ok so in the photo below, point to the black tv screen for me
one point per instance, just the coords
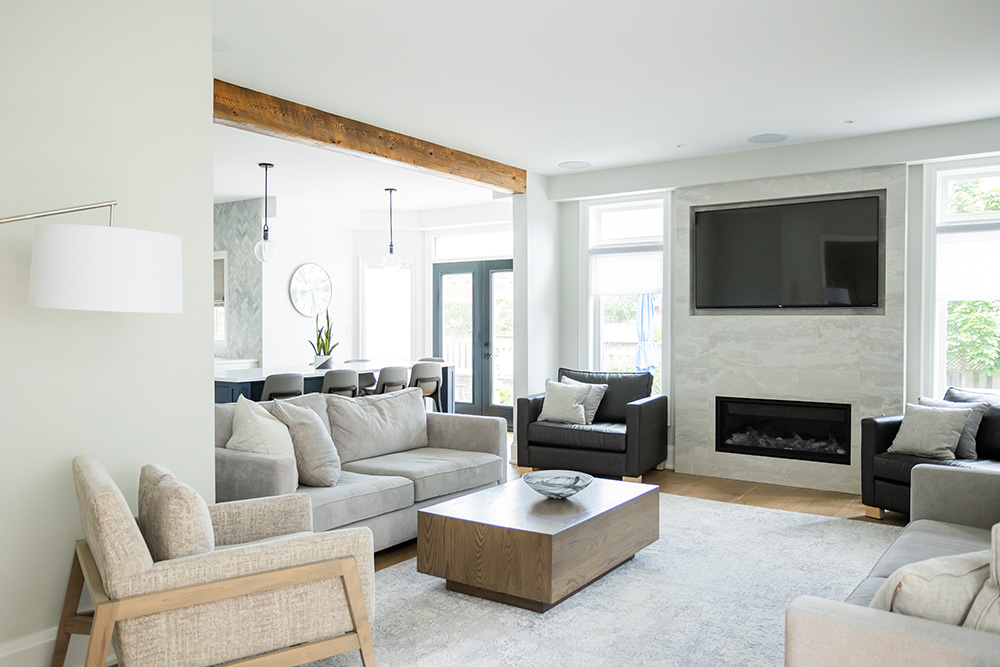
(816, 253)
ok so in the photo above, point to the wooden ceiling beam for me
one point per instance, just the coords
(250, 110)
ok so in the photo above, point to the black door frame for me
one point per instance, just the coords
(482, 300)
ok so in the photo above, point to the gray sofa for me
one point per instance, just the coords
(378, 488)
(952, 511)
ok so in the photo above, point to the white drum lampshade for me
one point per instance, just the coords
(87, 267)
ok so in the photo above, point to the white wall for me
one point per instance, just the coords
(286, 332)
(102, 101)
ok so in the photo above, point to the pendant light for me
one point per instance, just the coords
(391, 261)
(265, 250)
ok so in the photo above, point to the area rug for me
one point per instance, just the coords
(711, 591)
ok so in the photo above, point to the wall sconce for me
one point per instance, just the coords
(112, 269)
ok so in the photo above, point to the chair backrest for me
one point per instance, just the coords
(427, 376)
(282, 385)
(108, 524)
(623, 388)
(391, 378)
(343, 382)
(437, 359)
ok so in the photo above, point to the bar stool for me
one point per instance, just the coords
(427, 376)
(282, 385)
(390, 378)
(366, 379)
(341, 382)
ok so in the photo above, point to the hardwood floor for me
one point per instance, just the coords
(773, 496)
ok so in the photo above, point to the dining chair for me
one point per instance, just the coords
(390, 378)
(343, 382)
(282, 385)
(366, 379)
(437, 359)
(427, 376)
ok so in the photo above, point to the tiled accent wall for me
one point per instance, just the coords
(795, 355)
(237, 230)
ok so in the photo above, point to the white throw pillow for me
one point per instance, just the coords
(173, 517)
(563, 403)
(967, 441)
(375, 425)
(593, 401)
(257, 430)
(930, 432)
(985, 611)
(938, 589)
(315, 454)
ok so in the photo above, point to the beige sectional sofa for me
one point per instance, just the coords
(394, 461)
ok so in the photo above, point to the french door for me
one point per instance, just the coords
(474, 329)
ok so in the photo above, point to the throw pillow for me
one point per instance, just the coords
(967, 441)
(593, 401)
(563, 403)
(938, 589)
(257, 430)
(985, 611)
(375, 425)
(315, 454)
(173, 517)
(930, 432)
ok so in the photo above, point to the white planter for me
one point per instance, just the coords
(323, 361)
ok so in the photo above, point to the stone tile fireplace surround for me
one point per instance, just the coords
(798, 355)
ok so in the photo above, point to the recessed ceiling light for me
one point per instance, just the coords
(681, 145)
(574, 164)
(221, 44)
(768, 138)
(848, 122)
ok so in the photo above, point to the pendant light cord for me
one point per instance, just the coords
(266, 166)
(390, 191)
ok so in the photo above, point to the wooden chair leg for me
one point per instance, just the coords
(100, 635)
(74, 589)
(359, 616)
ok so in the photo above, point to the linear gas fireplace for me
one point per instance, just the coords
(787, 429)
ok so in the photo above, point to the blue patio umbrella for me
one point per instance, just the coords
(645, 351)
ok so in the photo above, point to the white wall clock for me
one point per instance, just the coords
(310, 290)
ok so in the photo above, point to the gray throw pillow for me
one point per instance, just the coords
(563, 403)
(930, 432)
(593, 401)
(173, 517)
(967, 441)
(315, 454)
(370, 426)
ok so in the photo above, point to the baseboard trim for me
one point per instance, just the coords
(36, 650)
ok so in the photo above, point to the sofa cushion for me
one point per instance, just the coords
(173, 517)
(434, 471)
(923, 539)
(594, 397)
(865, 592)
(967, 441)
(563, 403)
(897, 467)
(256, 430)
(623, 388)
(314, 401)
(938, 589)
(985, 611)
(374, 425)
(316, 456)
(930, 432)
(223, 423)
(357, 497)
(988, 436)
(598, 436)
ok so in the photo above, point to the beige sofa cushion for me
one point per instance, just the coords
(985, 611)
(256, 430)
(356, 498)
(173, 517)
(435, 472)
(316, 456)
(375, 425)
(938, 589)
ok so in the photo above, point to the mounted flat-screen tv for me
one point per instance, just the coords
(816, 252)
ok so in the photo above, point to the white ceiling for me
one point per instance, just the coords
(537, 82)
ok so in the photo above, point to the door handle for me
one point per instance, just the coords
(486, 355)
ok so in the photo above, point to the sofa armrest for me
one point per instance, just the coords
(645, 434)
(470, 433)
(242, 475)
(243, 521)
(528, 410)
(966, 496)
(825, 633)
(877, 434)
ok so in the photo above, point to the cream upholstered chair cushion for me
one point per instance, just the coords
(173, 517)
(316, 455)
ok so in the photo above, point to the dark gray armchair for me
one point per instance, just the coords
(627, 439)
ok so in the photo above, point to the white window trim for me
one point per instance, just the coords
(362, 302)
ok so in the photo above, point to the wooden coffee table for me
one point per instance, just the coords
(513, 545)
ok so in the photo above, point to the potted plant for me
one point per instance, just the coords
(323, 347)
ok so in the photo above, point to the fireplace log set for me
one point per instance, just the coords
(796, 443)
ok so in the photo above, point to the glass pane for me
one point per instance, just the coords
(456, 325)
(974, 195)
(474, 246)
(387, 313)
(627, 345)
(972, 358)
(502, 338)
(628, 224)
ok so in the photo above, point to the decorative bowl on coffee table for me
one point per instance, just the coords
(557, 484)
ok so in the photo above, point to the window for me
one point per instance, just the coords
(476, 245)
(219, 310)
(626, 285)
(385, 310)
(967, 278)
